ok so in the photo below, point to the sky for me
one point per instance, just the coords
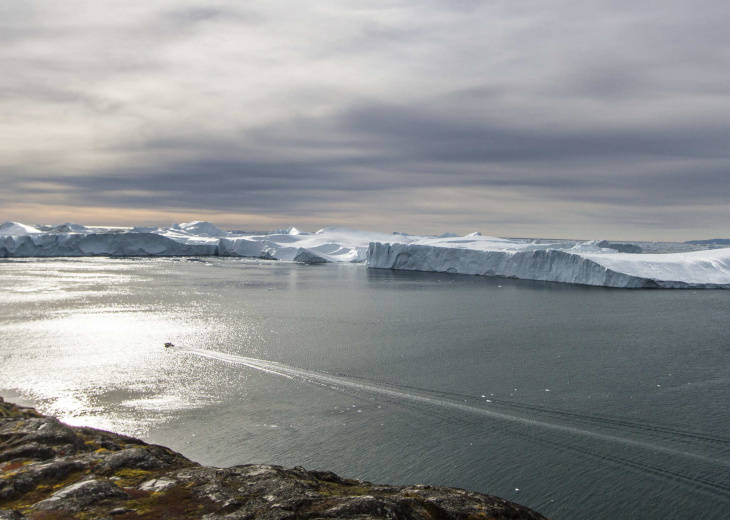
(555, 119)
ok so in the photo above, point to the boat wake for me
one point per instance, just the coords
(650, 449)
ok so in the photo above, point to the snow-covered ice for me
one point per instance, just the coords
(584, 263)
(199, 228)
(18, 229)
(326, 245)
(101, 244)
(69, 227)
(581, 262)
(18, 240)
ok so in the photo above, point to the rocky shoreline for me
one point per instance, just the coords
(49, 470)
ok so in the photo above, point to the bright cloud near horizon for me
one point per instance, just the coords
(565, 119)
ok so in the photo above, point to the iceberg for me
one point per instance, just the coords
(102, 244)
(19, 240)
(199, 228)
(713, 242)
(621, 248)
(584, 263)
(326, 245)
(70, 227)
(17, 229)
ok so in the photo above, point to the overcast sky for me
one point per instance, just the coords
(575, 119)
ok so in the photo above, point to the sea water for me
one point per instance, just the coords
(580, 402)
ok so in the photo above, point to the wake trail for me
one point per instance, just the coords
(612, 422)
(344, 382)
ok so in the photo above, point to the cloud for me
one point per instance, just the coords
(594, 110)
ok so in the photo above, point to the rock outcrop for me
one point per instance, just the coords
(49, 470)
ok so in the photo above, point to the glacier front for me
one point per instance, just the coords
(583, 263)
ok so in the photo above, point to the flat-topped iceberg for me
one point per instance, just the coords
(102, 244)
(19, 240)
(584, 263)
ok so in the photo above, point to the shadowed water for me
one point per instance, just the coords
(576, 401)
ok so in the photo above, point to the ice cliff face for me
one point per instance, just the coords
(101, 244)
(188, 239)
(585, 264)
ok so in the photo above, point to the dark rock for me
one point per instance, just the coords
(108, 440)
(81, 494)
(10, 410)
(7, 514)
(29, 476)
(382, 507)
(132, 458)
(327, 476)
(46, 431)
(31, 450)
(121, 511)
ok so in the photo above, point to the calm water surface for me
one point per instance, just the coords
(579, 402)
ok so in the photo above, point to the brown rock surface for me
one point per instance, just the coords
(49, 470)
